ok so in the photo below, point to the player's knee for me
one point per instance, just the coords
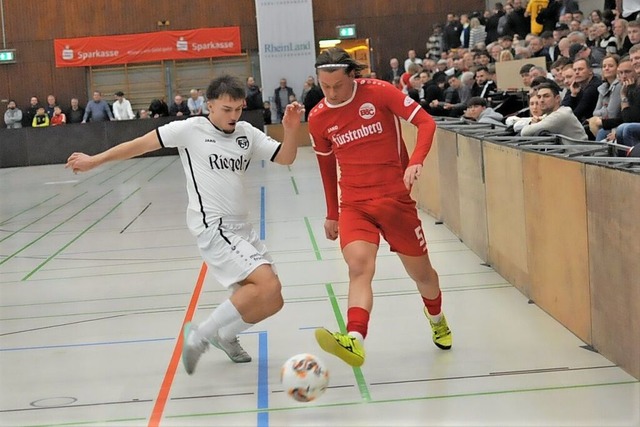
(360, 265)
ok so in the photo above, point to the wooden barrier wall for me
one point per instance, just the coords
(563, 232)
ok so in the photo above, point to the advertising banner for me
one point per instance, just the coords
(147, 47)
(286, 44)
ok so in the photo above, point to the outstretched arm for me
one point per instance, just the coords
(293, 115)
(80, 162)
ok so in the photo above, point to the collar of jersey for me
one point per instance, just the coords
(353, 95)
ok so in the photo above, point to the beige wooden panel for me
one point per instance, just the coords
(429, 181)
(473, 206)
(409, 133)
(558, 254)
(448, 168)
(613, 204)
(505, 214)
(276, 132)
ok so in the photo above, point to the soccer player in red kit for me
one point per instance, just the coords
(357, 126)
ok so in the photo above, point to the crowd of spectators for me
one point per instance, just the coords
(586, 89)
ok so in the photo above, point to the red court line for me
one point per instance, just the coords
(163, 394)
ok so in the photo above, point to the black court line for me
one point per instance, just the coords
(134, 219)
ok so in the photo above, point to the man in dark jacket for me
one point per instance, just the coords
(583, 90)
(253, 99)
(451, 37)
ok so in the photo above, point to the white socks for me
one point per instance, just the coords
(225, 320)
(357, 335)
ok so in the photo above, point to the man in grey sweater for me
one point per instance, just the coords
(555, 119)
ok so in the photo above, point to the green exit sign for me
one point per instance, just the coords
(346, 31)
(7, 56)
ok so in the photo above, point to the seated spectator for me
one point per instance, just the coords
(30, 112)
(196, 103)
(59, 118)
(524, 74)
(583, 90)
(75, 113)
(179, 107)
(520, 122)
(555, 119)
(593, 57)
(478, 110)
(484, 86)
(453, 103)
(41, 119)
(13, 116)
(608, 106)
(434, 99)
(97, 109)
(122, 107)
(143, 114)
(158, 108)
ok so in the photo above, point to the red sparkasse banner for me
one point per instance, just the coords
(147, 47)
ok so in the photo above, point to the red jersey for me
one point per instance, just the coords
(364, 135)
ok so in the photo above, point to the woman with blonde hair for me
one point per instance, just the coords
(505, 55)
(477, 33)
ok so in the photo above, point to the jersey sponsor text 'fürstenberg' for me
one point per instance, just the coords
(356, 134)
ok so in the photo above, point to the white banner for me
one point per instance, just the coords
(286, 44)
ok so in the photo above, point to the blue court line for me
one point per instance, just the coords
(89, 344)
(263, 232)
(263, 380)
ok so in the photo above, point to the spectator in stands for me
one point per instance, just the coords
(97, 109)
(122, 107)
(533, 9)
(281, 96)
(75, 113)
(58, 118)
(606, 41)
(536, 47)
(477, 33)
(434, 98)
(555, 119)
(13, 116)
(517, 123)
(505, 55)
(253, 99)
(583, 90)
(524, 74)
(196, 102)
(412, 58)
(451, 34)
(179, 107)
(41, 119)
(51, 104)
(517, 23)
(143, 114)
(309, 83)
(608, 106)
(478, 110)
(484, 86)
(314, 96)
(465, 31)
(394, 71)
(593, 57)
(434, 43)
(266, 112)
(158, 108)
(30, 112)
(623, 43)
(453, 103)
(491, 26)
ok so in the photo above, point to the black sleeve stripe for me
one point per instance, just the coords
(276, 152)
(195, 186)
(159, 137)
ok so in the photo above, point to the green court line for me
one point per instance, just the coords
(43, 263)
(43, 216)
(362, 384)
(54, 228)
(295, 186)
(356, 403)
(28, 209)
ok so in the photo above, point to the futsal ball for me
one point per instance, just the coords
(304, 377)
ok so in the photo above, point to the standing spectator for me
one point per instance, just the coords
(434, 43)
(628, 9)
(51, 104)
(253, 100)
(532, 11)
(477, 33)
(394, 71)
(75, 113)
(58, 118)
(376, 177)
(179, 108)
(308, 84)
(314, 96)
(517, 23)
(122, 107)
(266, 112)
(195, 103)
(451, 34)
(41, 119)
(30, 112)
(281, 96)
(13, 116)
(492, 23)
(97, 109)
(465, 31)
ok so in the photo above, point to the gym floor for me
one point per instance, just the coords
(99, 273)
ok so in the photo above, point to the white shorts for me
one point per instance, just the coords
(233, 250)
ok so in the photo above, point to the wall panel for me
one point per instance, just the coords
(449, 195)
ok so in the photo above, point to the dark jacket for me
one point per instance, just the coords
(631, 114)
(314, 96)
(451, 36)
(254, 98)
(586, 101)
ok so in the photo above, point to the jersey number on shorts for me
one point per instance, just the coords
(421, 240)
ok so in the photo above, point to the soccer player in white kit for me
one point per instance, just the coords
(216, 151)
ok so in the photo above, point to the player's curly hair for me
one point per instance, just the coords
(226, 85)
(336, 58)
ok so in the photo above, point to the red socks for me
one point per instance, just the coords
(434, 306)
(358, 320)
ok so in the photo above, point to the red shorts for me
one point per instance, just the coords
(396, 219)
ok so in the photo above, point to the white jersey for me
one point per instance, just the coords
(214, 165)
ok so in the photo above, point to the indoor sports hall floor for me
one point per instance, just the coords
(99, 273)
